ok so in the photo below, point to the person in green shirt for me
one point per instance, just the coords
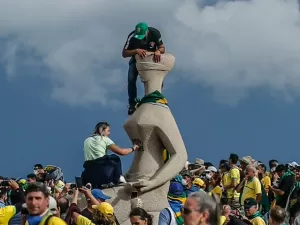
(96, 158)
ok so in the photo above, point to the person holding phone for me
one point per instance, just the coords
(108, 167)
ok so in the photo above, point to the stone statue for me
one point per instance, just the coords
(154, 128)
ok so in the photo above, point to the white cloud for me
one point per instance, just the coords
(231, 47)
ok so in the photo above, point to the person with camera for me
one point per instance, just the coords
(3, 197)
(282, 185)
(7, 212)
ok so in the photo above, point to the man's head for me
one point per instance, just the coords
(141, 31)
(262, 168)
(225, 167)
(233, 159)
(250, 206)
(38, 168)
(245, 161)
(280, 170)
(187, 178)
(210, 172)
(250, 171)
(103, 212)
(31, 178)
(37, 198)
(222, 161)
(63, 204)
(277, 216)
(273, 163)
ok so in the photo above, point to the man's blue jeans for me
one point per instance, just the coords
(132, 77)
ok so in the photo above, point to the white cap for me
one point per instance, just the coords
(293, 164)
(52, 203)
(211, 168)
(187, 164)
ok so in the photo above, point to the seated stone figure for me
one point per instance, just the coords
(152, 127)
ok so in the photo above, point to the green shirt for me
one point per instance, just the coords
(96, 147)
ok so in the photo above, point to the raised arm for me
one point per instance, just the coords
(128, 49)
(122, 151)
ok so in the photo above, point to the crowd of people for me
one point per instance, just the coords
(237, 191)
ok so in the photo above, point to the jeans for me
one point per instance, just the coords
(104, 170)
(132, 77)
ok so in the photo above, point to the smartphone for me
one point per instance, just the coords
(78, 181)
(134, 194)
(72, 186)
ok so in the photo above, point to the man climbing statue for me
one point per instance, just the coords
(140, 41)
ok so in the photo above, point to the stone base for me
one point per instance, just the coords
(153, 201)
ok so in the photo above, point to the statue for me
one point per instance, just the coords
(154, 128)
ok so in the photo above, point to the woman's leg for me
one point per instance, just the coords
(116, 161)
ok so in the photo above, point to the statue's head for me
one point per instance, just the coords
(150, 70)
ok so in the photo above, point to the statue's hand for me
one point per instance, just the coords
(144, 185)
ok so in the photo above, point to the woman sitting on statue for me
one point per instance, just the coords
(103, 170)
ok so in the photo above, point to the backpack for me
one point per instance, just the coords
(54, 173)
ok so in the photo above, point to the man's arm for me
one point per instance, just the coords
(128, 50)
(284, 186)
(159, 42)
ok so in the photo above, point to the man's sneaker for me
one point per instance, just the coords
(131, 109)
(122, 180)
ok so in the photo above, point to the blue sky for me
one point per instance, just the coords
(235, 86)
(37, 129)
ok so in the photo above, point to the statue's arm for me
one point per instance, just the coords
(172, 141)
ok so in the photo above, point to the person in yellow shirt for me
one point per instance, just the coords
(264, 178)
(103, 214)
(9, 211)
(216, 184)
(37, 204)
(252, 212)
(234, 175)
(225, 181)
(251, 185)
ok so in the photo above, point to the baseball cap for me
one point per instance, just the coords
(199, 182)
(176, 188)
(52, 204)
(249, 202)
(293, 164)
(140, 30)
(98, 194)
(186, 174)
(104, 208)
(211, 168)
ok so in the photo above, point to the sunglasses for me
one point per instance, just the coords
(187, 211)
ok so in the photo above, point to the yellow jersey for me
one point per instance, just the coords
(52, 221)
(6, 213)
